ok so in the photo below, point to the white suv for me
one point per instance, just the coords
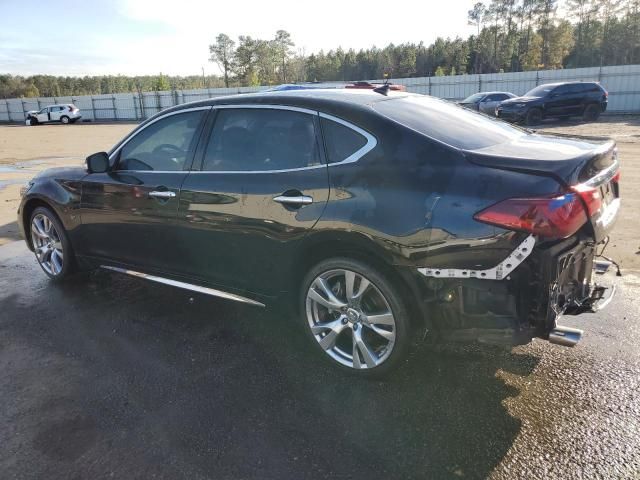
(68, 113)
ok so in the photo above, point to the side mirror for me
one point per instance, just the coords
(98, 162)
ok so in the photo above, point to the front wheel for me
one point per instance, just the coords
(51, 244)
(356, 317)
(534, 116)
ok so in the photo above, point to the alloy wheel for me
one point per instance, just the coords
(47, 244)
(350, 319)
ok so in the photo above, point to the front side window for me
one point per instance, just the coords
(541, 91)
(340, 141)
(261, 139)
(44, 110)
(164, 145)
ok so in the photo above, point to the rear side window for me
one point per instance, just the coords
(580, 87)
(340, 141)
(261, 139)
(447, 122)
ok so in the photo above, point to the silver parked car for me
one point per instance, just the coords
(67, 113)
(485, 102)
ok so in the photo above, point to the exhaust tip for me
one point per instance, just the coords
(565, 336)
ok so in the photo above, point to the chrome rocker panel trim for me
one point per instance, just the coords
(500, 271)
(187, 286)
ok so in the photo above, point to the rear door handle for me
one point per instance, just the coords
(162, 194)
(294, 201)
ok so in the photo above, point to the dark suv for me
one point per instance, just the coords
(556, 100)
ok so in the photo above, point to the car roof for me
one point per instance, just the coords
(557, 84)
(330, 98)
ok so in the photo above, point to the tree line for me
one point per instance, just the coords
(56, 86)
(510, 36)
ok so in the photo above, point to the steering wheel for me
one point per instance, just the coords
(168, 148)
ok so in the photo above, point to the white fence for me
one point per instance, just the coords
(622, 83)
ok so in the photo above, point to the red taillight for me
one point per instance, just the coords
(555, 217)
(616, 177)
(590, 196)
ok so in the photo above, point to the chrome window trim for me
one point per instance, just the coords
(266, 106)
(372, 141)
(135, 134)
(186, 286)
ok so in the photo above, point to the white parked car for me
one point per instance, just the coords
(67, 113)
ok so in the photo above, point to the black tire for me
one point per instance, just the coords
(68, 264)
(64, 119)
(534, 117)
(400, 313)
(591, 112)
(34, 121)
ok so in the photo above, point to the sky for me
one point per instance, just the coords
(146, 37)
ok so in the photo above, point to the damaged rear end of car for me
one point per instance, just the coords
(516, 223)
(550, 273)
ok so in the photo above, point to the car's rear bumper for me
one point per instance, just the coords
(555, 279)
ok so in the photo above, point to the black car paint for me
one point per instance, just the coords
(556, 103)
(408, 203)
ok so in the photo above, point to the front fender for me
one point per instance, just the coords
(62, 195)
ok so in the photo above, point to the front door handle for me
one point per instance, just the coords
(162, 194)
(294, 201)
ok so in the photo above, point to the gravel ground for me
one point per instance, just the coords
(108, 376)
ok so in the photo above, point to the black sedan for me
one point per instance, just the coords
(379, 216)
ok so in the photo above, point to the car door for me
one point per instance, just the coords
(262, 185)
(55, 113)
(43, 115)
(490, 102)
(128, 213)
(558, 101)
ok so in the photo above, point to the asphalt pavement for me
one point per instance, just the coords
(108, 376)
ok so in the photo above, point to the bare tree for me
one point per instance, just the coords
(223, 53)
(283, 45)
(475, 17)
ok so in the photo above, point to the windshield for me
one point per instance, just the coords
(447, 122)
(541, 91)
(476, 97)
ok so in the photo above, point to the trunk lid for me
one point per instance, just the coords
(588, 169)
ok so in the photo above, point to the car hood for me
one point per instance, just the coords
(32, 111)
(62, 173)
(519, 100)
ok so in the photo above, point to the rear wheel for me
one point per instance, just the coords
(534, 116)
(64, 119)
(51, 244)
(355, 317)
(591, 113)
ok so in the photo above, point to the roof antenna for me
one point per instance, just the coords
(385, 87)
